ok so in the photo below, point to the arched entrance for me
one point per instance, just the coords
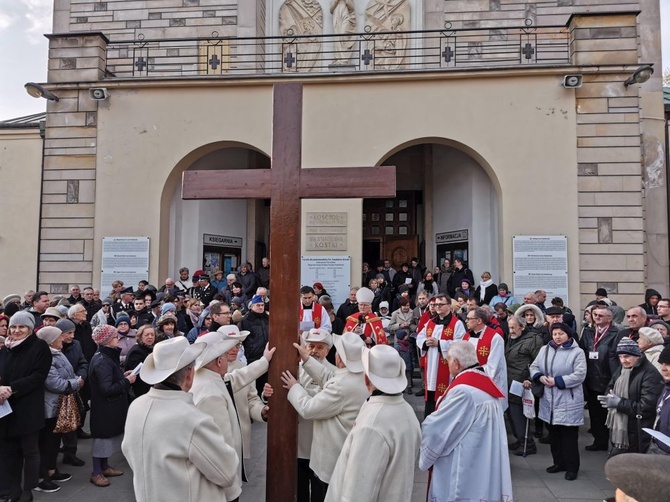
(447, 206)
(213, 234)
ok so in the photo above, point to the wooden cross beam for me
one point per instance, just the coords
(285, 184)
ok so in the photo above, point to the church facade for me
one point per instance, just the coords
(503, 119)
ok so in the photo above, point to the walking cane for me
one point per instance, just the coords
(525, 438)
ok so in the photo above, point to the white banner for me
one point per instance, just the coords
(124, 259)
(334, 272)
(541, 262)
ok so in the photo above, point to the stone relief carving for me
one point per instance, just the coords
(390, 51)
(344, 23)
(301, 17)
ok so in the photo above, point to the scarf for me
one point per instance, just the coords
(482, 288)
(617, 422)
(12, 344)
(54, 351)
(194, 317)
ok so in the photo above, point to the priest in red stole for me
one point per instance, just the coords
(464, 442)
(365, 322)
(312, 314)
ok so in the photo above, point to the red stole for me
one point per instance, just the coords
(474, 379)
(443, 376)
(484, 343)
(317, 314)
(372, 327)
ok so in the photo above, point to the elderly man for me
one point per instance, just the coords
(126, 303)
(378, 457)
(312, 314)
(213, 390)
(333, 410)
(631, 399)
(636, 318)
(366, 323)
(433, 341)
(599, 343)
(195, 463)
(464, 441)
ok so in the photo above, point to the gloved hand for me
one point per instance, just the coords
(609, 401)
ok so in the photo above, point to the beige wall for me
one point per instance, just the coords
(349, 124)
(20, 183)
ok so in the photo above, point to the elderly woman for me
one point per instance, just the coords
(663, 328)
(109, 402)
(127, 335)
(61, 380)
(486, 290)
(651, 345)
(167, 327)
(146, 336)
(521, 350)
(561, 367)
(24, 365)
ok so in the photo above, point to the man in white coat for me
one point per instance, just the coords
(378, 457)
(464, 441)
(213, 391)
(195, 464)
(333, 410)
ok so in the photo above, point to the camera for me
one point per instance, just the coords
(99, 93)
(572, 81)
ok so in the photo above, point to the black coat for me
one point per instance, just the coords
(456, 279)
(74, 353)
(83, 332)
(25, 369)
(644, 389)
(599, 372)
(109, 393)
(258, 326)
(346, 309)
(136, 355)
(489, 293)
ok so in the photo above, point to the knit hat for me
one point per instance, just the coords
(22, 318)
(10, 299)
(108, 301)
(65, 325)
(318, 285)
(504, 286)
(122, 318)
(465, 279)
(565, 328)
(664, 356)
(104, 333)
(654, 336)
(168, 307)
(628, 346)
(601, 292)
(656, 322)
(49, 334)
(257, 299)
(237, 301)
(62, 309)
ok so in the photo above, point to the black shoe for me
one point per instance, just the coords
(570, 475)
(47, 487)
(537, 434)
(596, 447)
(515, 445)
(83, 435)
(544, 440)
(531, 449)
(60, 477)
(419, 392)
(554, 469)
(73, 460)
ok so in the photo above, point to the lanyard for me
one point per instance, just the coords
(597, 338)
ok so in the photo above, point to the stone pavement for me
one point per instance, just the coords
(531, 482)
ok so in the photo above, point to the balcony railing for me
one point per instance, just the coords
(445, 49)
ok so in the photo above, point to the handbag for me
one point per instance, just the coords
(537, 388)
(68, 416)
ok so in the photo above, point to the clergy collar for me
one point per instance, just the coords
(378, 392)
(305, 307)
(443, 321)
(477, 334)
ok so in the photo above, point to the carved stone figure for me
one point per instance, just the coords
(301, 17)
(390, 51)
(344, 23)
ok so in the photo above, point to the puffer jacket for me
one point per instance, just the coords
(599, 371)
(519, 354)
(258, 326)
(60, 380)
(644, 389)
(538, 326)
(562, 404)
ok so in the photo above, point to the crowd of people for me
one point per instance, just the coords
(197, 348)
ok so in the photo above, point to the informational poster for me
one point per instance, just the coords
(124, 259)
(541, 262)
(334, 272)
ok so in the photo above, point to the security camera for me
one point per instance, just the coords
(572, 81)
(99, 93)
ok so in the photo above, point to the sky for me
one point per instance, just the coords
(24, 52)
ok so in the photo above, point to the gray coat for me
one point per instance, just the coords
(562, 404)
(61, 380)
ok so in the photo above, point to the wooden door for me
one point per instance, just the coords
(400, 249)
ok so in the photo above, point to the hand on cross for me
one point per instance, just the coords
(269, 352)
(267, 391)
(288, 380)
(304, 354)
(264, 413)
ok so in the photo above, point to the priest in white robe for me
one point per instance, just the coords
(464, 443)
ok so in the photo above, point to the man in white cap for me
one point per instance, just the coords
(333, 410)
(378, 457)
(464, 441)
(213, 391)
(176, 451)
(366, 323)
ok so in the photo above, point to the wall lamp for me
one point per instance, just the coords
(37, 91)
(641, 75)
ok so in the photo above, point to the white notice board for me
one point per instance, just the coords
(541, 262)
(334, 272)
(125, 259)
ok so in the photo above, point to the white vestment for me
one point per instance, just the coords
(433, 353)
(465, 443)
(496, 365)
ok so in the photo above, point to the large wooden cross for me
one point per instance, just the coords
(285, 184)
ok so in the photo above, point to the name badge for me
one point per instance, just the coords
(593, 354)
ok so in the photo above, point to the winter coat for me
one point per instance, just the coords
(25, 369)
(431, 288)
(646, 305)
(83, 333)
(127, 342)
(258, 326)
(263, 274)
(75, 355)
(109, 393)
(137, 354)
(61, 380)
(400, 278)
(507, 300)
(489, 293)
(346, 309)
(399, 317)
(519, 354)
(562, 404)
(599, 371)
(663, 416)
(249, 283)
(644, 389)
(652, 354)
(457, 278)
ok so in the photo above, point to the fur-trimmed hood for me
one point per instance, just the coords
(539, 316)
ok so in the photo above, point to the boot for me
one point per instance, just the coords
(409, 389)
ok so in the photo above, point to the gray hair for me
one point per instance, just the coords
(520, 320)
(463, 352)
(74, 309)
(640, 311)
(178, 377)
(482, 313)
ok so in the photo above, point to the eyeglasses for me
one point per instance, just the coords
(440, 304)
(226, 313)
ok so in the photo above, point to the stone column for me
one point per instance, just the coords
(68, 178)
